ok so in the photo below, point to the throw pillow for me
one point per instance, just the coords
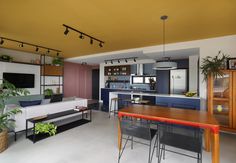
(29, 103)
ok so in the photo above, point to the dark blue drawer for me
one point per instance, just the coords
(184, 103)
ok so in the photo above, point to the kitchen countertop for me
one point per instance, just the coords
(154, 94)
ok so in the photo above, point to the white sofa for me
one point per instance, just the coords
(40, 110)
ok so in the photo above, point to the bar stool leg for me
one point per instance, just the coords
(114, 109)
(110, 108)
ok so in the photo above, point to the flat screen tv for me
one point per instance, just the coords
(20, 80)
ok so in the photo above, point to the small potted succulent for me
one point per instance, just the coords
(6, 122)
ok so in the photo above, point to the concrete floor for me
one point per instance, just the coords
(96, 142)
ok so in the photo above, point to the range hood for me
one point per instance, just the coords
(139, 69)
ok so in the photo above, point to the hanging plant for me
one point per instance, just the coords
(214, 65)
(57, 61)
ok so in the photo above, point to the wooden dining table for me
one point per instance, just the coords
(193, 118)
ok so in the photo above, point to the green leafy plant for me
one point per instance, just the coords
(214, 65)
(7, 90)
(48, 92)
(6, 58)
(45, 128)
(57, 61)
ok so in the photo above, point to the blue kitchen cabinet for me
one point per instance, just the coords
(121, 102)
(148, 69)
(105, 99)
(184, 103)
(151, 99)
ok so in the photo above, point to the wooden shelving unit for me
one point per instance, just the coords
(51, 77)
(123, 70)
(222, 99)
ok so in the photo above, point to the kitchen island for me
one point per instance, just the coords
(167, 100)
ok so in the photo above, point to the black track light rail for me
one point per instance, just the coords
(26, 43)
(119, 60)
(91, 37)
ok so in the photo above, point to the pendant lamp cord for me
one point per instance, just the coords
(164, 39)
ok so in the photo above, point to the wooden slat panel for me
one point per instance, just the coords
(52, 70)
(234, 101)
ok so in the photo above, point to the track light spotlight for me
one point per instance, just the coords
(81, 36)
(118, 61)
(100, 44)
(105, 62)
(111, 62)
(21, 45)
(2, 41)
(134, 60)
(57, 54)
(48, 51)
(66, 31)
(37, 49)
(126, 60)
(91, 41)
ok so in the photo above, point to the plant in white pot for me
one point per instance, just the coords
(6, 122)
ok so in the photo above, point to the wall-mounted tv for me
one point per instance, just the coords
(20, 80)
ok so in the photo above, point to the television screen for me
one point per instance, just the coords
(20, 80)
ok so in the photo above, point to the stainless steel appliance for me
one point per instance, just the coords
(178, 81)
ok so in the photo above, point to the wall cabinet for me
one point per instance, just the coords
(117, 70)
(222, 99)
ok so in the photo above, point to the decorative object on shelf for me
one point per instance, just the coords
(231, 63)
(214, 65)
(48, 92)
(6, 90)
(118, 60)
(82, 35)
(219, 108)
(6, 58)
(152, 83)
(57, 61)
(166, 64)
(45, 128)
(190, 94)
(37, 47)
(117, 70)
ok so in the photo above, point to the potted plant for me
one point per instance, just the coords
(7, 90)
(48, 93)
(6, 58)
(152, 83)
(45, 128)
(57, 61)
(214, 65)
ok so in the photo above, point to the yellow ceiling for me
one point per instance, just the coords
(122, 24)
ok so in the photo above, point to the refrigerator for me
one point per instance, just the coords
(178, 81)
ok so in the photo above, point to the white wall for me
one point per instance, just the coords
(193, 72)
(23, 68)
(208, 47)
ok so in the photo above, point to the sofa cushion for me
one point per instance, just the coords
(16, 99)
(29, 103)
